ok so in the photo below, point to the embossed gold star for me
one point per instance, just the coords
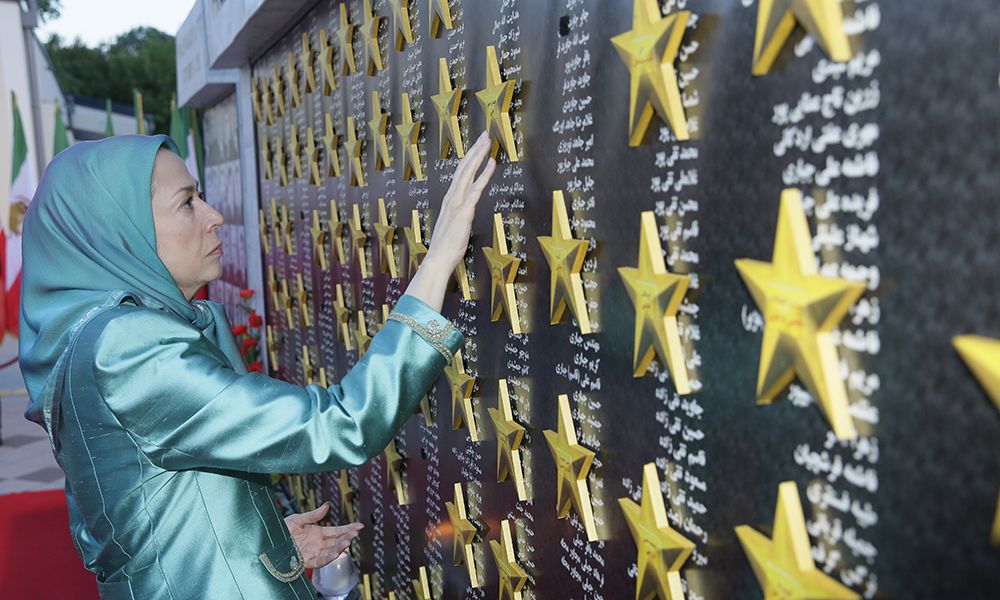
(461, 384)
(265, 97)
(409, 135)
(318, 241)
(265, 239)
(369, 31)
(447, 103)
(345, 36)
(288, 227)
(982, 355)
(307, 367)
(352, 150)
(361, 338)
(424, 408)
(401, 23)
(384, 234)
(295, 151)
(464, 533)
(302, 294)
(565, 256)
(279, 158)
(342, 316)
(385, 315)
(272, 349)
(366, 581)
(416, 250)
(503, 270)
(573, 462)
(322, 377)
(258, 114)
(662, 550)
(439, 14)
(287, 303)
(649, 50)
(801, 308)
(326, 63)
(332, 153)
(312, 157)
(278, 91)
(378, 125)
(509, 435)
(265, 157)
(512, 577)
(306, 59)
(784, 564)
(293, 80)
(336, 234)
(272, 287)
(656, 295)
(421, 587)
(823, 19)
(495, 99)
(276, 223)
(394, 472)
(347, 495)
(358, 240)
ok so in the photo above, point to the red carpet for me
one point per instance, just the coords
(37, 558)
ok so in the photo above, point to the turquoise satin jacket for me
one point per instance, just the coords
(167, 449)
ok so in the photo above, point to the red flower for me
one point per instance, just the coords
(247, 344)
(256, 367)
(255, 320)
(239, 330)
(243, 351)
(246, 294)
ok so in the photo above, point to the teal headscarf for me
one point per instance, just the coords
(88, 242)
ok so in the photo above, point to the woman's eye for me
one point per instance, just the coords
(188, 203)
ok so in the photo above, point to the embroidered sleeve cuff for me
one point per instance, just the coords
(435, 329)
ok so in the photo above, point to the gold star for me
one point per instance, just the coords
(649, 50)
(336, 234)
(421, 587)
(352, 148)
(495, 99)
(503, 270)
(662, 551)
(255, 100)
(275, 223)
(464, 533)
(801, 309)
(565, 256)
(378, 124)
(279, 157)
(294, 151)
(326, 63)
(322, 381)
(293, 80)
(394, 471)
(385, 314)
(265, 157)
(373, 56)
(265, 239)
(278, 91)
(512, 576)
(344, 41)
(303, 297)
(342, 315)
(307, 366)
(272, 349)
(416, 250)
(272, 286)
(358, 239)
(439, 14)
(384, 234)
(409, 135)
(361, 337)
(823, 19)
(265, 96)
(306, 58)
(784, 564)
(318, 241)
(312, 156)
(446, 103)
(656, 295)
(401, 22)
(461, 385)
(332, 154)
(509, 434)
(573, 462)
(288, 225)
(347, 495)
(287, 301)
(424, 408)
(366, 581)
(982, 355)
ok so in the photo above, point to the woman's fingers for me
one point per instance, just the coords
(352, 530)
(484, 178)
(465, 164)
(474, 158)
(313, 516)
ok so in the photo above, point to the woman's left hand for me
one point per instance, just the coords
(320, 545)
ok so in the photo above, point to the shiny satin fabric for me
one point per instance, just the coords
(167, 450)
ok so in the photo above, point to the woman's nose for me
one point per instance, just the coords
(215, 218)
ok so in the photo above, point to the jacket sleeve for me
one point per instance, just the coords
(185, 407)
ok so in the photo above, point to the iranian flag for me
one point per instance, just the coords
(22, 188)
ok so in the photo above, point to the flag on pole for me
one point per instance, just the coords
(22, 188)
(195, 151)
(60, 140)
(140, 121)
(109, 127)
(184, 131)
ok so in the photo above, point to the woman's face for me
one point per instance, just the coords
(187, 238)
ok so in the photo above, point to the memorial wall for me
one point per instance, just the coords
(710, 303)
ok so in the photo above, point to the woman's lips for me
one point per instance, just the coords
(217, 251)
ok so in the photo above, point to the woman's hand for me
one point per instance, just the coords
(320, 545)
(454, 225)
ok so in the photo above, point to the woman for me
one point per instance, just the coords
(165, 439)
